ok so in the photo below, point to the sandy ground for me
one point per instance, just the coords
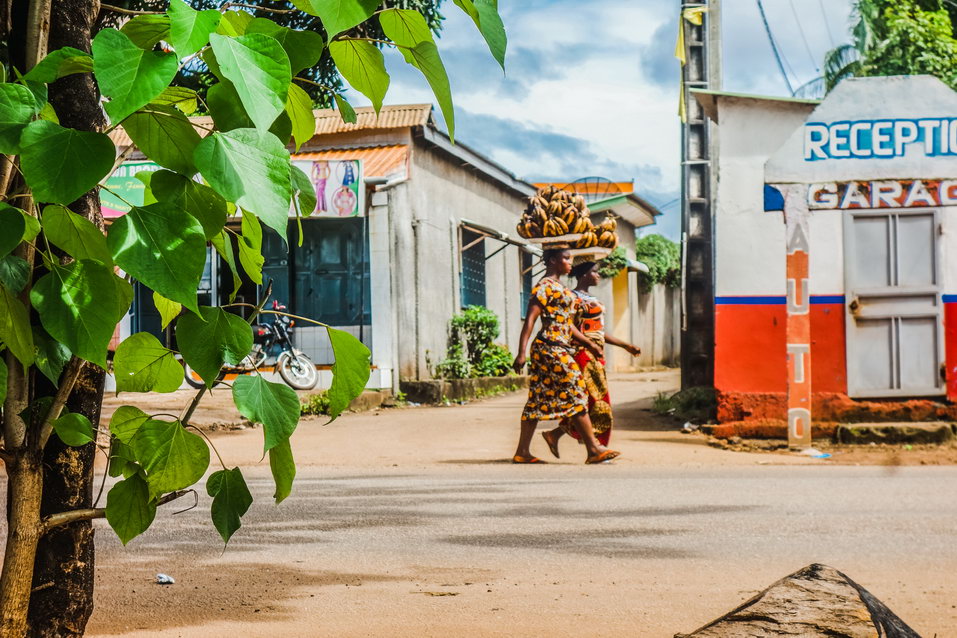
(411, 522)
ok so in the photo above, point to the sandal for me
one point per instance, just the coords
(526, 460)
(607, 455)
(552, 444)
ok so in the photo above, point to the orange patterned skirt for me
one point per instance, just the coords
(556, 388)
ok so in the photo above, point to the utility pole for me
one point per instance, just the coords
(702, 70)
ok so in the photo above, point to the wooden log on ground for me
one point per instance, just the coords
(815, 601)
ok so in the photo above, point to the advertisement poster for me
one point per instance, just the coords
(339, 186)
(125, 189)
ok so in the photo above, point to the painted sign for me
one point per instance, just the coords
(123, 189)
(339, 186)
(881, 139)
(906, 193)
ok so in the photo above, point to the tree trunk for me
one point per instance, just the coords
(24, 487)
(62, 599)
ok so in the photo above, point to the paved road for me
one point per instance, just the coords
(447, 540)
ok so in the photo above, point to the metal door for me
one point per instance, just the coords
(894, 344)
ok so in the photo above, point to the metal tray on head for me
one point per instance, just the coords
(598, 252)
(558, 239)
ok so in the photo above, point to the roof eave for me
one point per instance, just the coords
(708, 99)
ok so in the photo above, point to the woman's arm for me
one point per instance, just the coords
(587, 343)
(631, 348)
(531, 315)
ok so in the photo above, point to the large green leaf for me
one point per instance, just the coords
(143, 364)
(186, 100)
(231, 499)
(173, 457)
(199, 200)
(228, 113)
(147, 30)
(129, 509)
(127, 74)
(303, 47)
(162, 246)
(189, 29)
(350, 372)
(299, 109)
(14, 273)
(124, 297)
(17, 108)
(259, 69)
(224, 246)
(78, 304)
(74, 429)
(363, 67)
(425, 57)
(165, 136)
(123, 461)
(60, 63)
(275, 405)
(12, 228)
(283, 469)
(51, 354)
(234, 23)
(61, 164)
(168, 310)
(250, 247)
(346, 112)
(15, 327)
(305, 193)
(485, 15)
(32, 226)
(215, 338)
(249, 168)
(75, 234)
(338, 15)
(405, 27)
(126, 422)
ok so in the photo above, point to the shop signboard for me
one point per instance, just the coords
(124, 189)
(338, 185)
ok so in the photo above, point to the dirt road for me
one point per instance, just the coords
(412, 523)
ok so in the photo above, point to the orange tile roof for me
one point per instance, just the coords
(377, 161)
(328, 121)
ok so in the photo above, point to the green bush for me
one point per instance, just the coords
(471, 350)
(613, 264)
(315, 404)
(663, 258)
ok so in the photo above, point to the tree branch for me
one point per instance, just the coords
(38, 33)
(65, 518)
(129, 12)
(67, 381)
(254, 6)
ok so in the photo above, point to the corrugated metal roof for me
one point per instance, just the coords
(377, 161)
(328, 121)
(399, 116)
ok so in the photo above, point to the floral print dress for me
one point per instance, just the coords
(591, 321)
(556, 389)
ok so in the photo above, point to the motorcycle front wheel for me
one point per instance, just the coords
(298, 371)
(195, 381)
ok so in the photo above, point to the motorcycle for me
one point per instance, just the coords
(295, 368)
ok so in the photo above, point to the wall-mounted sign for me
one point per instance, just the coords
(125, 189)
(886, 139)
(907, 193)
(339, 186)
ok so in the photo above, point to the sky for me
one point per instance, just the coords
(591, 86)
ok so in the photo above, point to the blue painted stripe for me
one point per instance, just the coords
(778, 301)
(950, 298)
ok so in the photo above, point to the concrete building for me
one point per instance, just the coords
(835, 236)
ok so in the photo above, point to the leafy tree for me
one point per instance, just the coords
(65, 284)
(324, 78)
(663, 258)
(897, 37)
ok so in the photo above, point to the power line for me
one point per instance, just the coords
(827, 23)
(807, 47)
(774, 47)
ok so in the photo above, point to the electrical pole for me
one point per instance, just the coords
(702, 70)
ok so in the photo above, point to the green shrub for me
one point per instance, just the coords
(455, 365)
(613, 264)
(693, 404)
(471, 350)
(663, 258)
(315, 404)
(496, 361)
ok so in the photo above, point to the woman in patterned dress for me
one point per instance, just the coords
(591, 323)
(556, 389)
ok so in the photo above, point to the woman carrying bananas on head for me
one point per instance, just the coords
(556, 388)
(590, 321)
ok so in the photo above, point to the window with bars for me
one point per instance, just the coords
(473, 268)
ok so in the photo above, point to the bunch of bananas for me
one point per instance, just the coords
(553, 212)
(603, 235)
